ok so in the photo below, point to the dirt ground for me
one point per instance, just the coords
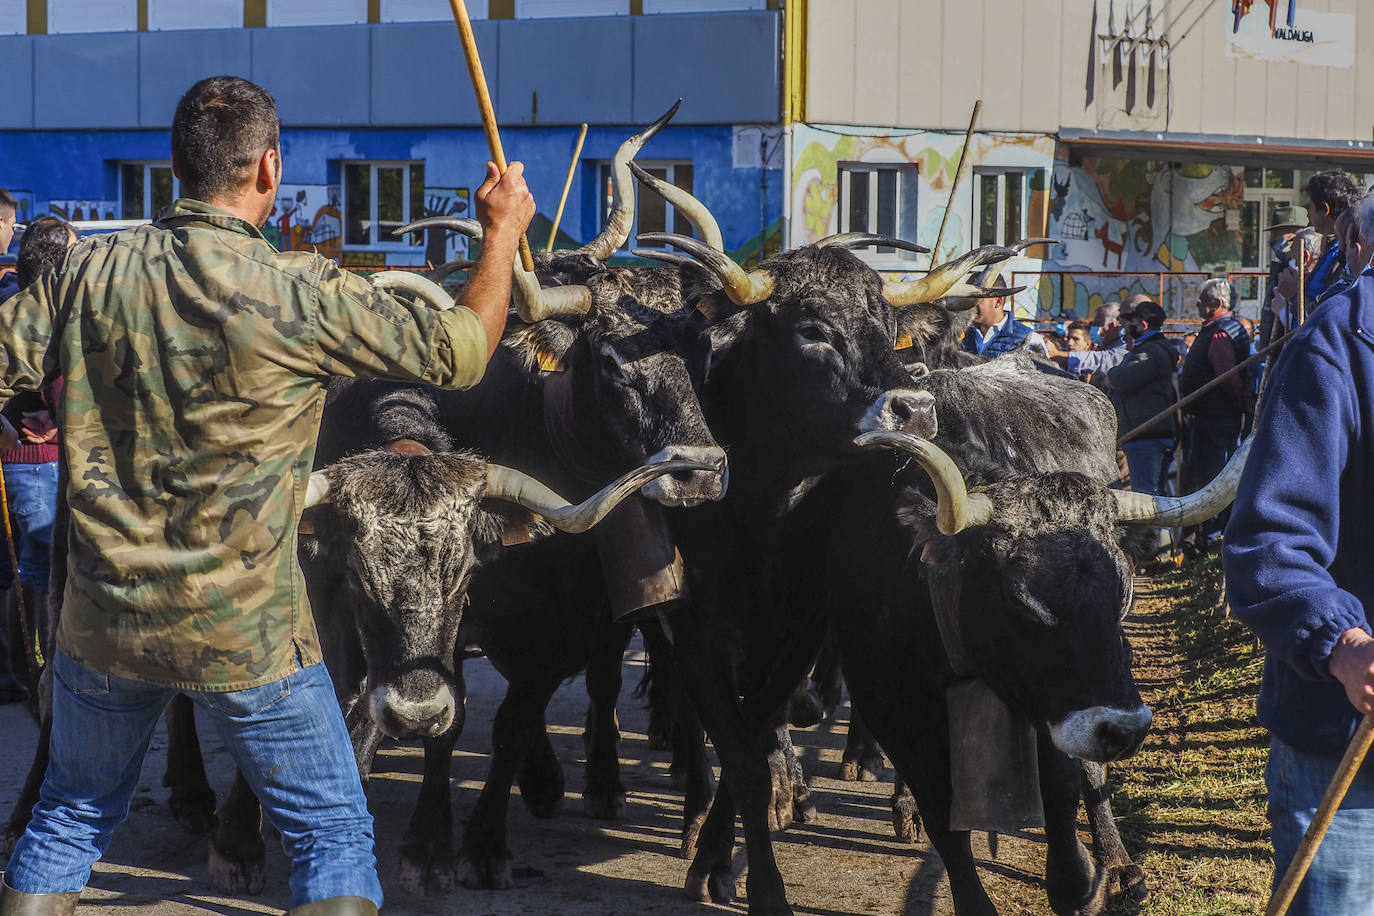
(847, 863)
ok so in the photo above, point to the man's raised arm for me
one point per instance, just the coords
(504, 208)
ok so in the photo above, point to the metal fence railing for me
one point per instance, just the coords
(1058, 293)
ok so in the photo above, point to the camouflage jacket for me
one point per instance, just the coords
(195, 358)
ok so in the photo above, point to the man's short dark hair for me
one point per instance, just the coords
(222, 126)
(1148, 312)
(1085, 326)
(44, 244)
(8, 203)
(1333, 188)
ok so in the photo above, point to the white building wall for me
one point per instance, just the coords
(69, 16)
(316, 12)
(194, 14)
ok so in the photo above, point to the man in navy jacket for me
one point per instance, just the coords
(1299, 572)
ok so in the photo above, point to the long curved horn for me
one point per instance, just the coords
(852, 240)
(317, 490)
(946, 279)
(994, 270)
(1182, 511)
(958, 508)
(449, 268)
(523, 490)
(667, 257)
(622, 215)
(422, 287)
(469, 227)
(707, 229)
(743, 287)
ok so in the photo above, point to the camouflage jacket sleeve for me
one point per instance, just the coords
(363, 331)
(26, 329)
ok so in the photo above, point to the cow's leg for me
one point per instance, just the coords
(1073, 880)
(698, 782)
(603, 795)
(863, 759)
(28, 795)
(906, 817)
(366, 737)
(540, 775)
(791, 795)
(660, 686)
(1123, 875)
(192, 800)
(745, 781)
(484, 860)
(426, 865)
(237, 854)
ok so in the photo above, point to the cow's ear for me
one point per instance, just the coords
(542, 346)
(500, 525)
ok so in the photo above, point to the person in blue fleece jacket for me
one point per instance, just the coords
(1299, 562)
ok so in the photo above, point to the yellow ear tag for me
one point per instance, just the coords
(904, 342)
(547, 361)
(307, 526)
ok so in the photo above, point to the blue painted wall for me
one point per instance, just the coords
(67, 165)
(611, 70)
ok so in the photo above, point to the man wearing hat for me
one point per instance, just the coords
(1142, 387)
(1287, 221)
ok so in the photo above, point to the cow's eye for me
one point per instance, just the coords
(813, 333)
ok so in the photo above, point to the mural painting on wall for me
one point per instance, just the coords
(306, 218)
(84, 209)
(1289, 33)
(25, 213)
(932, 158)
(441, 247)
(1142, 218)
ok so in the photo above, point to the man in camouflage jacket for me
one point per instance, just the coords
(195, 357)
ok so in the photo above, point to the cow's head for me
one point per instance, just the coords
(1030, 576)
(394, 539)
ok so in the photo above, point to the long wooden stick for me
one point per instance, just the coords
(567, 186)
(479, 86)
(1316, 830)
(958, 173)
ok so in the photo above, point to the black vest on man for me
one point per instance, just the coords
(1198, 371)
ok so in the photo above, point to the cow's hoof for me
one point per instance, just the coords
(235, 876)
(804, 806)
(1094, 904)
(541, 786)
(805, 709)
(486, 872)
(865, 769)
(780, 813)
(426, 872)
(906, 820)
(1128, 881)
(604, 805)
(711, 885)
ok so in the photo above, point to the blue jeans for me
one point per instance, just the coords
(288, 737)
(32, 493)
(1148, 461)
(1340, 881)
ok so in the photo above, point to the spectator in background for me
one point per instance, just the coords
(1213, 422)
(9, 213)
(1306, 252)
(1080, 338)
(1142, 387)
(1105, 316)
(30, 467)
(1092, 365)
(994, 331)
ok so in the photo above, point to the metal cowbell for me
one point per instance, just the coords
(994, 771)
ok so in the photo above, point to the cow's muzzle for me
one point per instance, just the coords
(901, 410)
(1102, 733)
(400, 716)
(689, 488)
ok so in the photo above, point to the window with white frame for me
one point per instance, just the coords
(380, 197)
(202, 14)
(879, 198)
(316, 12)
(146, 188)
(999, 205)
(652, 213)
(428, 10)
(14, 17)
(65, 16)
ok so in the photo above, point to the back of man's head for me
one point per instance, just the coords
(223, 125)
(1107, 314)
(1148, 312)
(1364, 219)
(44, 244)
(1333, 189)
(8, 204)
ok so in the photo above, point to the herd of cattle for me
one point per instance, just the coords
(774, 414)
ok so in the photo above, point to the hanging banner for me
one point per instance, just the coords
(1282, 31)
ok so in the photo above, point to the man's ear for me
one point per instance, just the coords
(269, 170)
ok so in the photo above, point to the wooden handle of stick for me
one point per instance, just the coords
(567, 186)
(1331, 801)
(479, 86)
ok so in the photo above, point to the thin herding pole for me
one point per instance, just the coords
(567, 186)
(1335, 794)
(958, 173)
(479, 86)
